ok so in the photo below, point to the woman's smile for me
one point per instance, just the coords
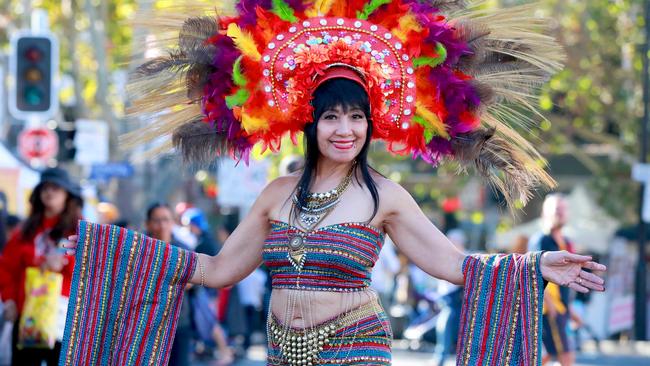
(343, 144)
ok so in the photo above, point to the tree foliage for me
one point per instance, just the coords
(594, 105)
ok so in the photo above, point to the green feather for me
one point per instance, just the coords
(239, 98)
(237, 76)
(284, 11)
(370, 7)
(429, 133)
(432, 61)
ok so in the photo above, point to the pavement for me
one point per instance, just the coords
(607, 354)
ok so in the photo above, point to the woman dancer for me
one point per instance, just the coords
(343, 73)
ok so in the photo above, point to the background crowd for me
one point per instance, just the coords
(220, 326)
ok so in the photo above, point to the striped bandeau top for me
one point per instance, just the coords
(339, 257)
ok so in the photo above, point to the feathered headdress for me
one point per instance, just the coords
(444, 80)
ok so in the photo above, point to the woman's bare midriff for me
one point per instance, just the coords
(315, 307)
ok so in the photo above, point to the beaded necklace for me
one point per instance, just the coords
(318, 207)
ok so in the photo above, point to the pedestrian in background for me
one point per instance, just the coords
(383, 274)
(194, 219)
(230, 311)
(159, 225)
(451, 296)
(557, 311)
(251, 295)
(56, 205)
(3, 220)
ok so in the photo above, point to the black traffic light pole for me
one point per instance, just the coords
(641, 289)
(33, 67)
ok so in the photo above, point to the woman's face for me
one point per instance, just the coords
(53, 197)
(341, 133)
(161, 223)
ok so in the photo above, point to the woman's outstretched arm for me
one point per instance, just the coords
(416, 237)
(430, 250)
(242, 252)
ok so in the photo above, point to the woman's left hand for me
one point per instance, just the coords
(566, 269)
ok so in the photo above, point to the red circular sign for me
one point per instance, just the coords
(38, 143)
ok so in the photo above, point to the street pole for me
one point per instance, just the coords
(641, 289)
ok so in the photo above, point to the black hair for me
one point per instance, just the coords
(66, 224)
(346, 94)
(154, 206)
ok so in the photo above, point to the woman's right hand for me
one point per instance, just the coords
(71, 245)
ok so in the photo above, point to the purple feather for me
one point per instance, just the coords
(219, 85)
(296, 5)
(436, 150)
(419, 7)
(247, 13)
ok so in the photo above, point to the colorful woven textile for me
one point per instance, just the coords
(500, 319)
(339, 257)
(125, 298)
(360, 337)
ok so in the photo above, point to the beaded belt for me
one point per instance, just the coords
(336, 337)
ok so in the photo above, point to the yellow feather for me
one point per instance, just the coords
(243, 41)
(320, 8)
(252, 124)
(432, 118)
(407, 23)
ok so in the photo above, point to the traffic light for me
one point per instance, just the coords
(33, 66)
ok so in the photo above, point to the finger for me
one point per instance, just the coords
(591, 277)
(592, 286)
(576, 287)
(577, 258)
(71, 242)
(70, 245)
(595, 266)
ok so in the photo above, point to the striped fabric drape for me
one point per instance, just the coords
(501, 315)
(125, 298)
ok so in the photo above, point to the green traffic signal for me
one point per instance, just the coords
(33, 96)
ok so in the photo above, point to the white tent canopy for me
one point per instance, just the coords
(589, 227)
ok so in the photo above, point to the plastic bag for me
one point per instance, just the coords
(38, 321)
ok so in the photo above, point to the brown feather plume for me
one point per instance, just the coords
(509, 170)
(192, 138)
(165, 91)
(447, 5)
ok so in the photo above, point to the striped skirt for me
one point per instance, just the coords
(359, 337)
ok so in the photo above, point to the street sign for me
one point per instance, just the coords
(38, 143)
(111, 170)
(91, 142)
